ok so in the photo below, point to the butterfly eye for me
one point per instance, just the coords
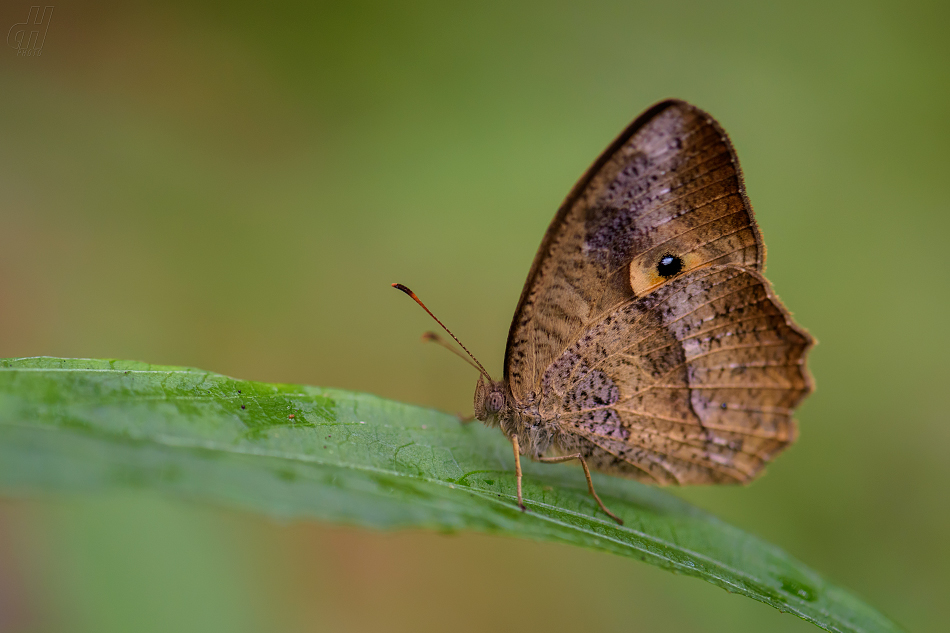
(669, 265)
(495, 402)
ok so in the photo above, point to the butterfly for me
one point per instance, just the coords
(647, 343)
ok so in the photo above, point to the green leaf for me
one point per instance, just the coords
(294, 451)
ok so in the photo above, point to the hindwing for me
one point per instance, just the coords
(695, 383)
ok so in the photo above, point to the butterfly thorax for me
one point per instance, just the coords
(496, 407)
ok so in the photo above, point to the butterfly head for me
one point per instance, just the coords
(491, 396)
(491, 401)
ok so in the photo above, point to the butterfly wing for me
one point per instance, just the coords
(669, 184)
(645, 326)
(694, 383)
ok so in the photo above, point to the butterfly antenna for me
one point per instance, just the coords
(435, 338)
(430, 336)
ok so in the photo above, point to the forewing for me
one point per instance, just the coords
(670, 184)
(695, 383)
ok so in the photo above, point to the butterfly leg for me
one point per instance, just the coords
(590, 483)
(514, 445)
(465, 420)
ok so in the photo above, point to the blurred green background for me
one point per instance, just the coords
(234, 186)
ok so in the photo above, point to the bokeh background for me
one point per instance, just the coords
(233, 186)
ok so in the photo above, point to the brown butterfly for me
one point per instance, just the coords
(647, 342)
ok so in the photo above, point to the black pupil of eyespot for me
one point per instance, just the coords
(669, 265)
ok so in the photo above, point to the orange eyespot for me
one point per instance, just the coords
(652, 269)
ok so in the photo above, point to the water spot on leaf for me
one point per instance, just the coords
(798, 589)
(73, 423)
(402, 486)
(286, 474)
